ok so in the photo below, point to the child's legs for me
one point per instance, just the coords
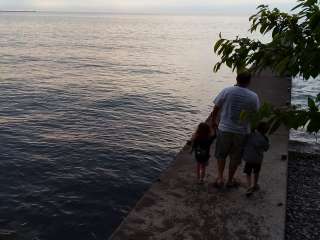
(202, 170)
(255, 179)
(221, 165)
(198, 170)
(248, 180)
(257, 168)
(248, 171)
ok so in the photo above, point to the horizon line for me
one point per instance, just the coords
(150, 12)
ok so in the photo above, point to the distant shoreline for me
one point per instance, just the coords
(160, 13)
(17, 11)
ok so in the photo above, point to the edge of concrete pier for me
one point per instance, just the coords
(175, 207)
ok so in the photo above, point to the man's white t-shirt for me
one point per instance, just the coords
(232, 101)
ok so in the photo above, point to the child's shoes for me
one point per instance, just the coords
(200, 181)
(249, 191)
(256, 188)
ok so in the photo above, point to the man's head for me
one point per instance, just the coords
(244, 78)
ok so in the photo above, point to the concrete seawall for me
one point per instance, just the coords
(176, 208)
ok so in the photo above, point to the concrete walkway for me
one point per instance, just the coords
(176, 208)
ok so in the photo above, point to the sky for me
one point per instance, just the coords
(141, 5)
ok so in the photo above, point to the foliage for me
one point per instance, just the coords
(292, 117)
(294, 50)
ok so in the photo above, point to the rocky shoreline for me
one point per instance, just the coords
(303, 196)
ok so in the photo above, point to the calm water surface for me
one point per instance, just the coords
(93, 108)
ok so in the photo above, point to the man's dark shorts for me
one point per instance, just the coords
(231, 144)
(252, 167)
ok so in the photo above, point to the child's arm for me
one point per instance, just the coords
(192, 147)
(266, 146)
(214, 117)
(212, 138)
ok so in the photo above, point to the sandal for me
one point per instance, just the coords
(256, 188)
(200, 181)
(233, 184)
(218, 184)
(249, 192)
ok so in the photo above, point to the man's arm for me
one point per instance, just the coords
(214, 117)
(257, 103)
(218, 103)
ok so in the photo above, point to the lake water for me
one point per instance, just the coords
(93, 107)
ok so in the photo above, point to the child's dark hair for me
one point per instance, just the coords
(262, 128)
(203, 131)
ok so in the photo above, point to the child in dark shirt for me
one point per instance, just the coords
(256, 145)
(201, 147)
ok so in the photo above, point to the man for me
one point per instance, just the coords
(232, 131)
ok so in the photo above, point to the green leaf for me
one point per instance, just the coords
(311, 2)
(217, 45)
(275, 126)
(282, 65)
(312, 105)
(217, 67)
(244, 115)
(229, 62)
(275, 31)
(263, 28)
(265, 110)
(313, 126)
(262, 6)
(297, 6)
(302, 117)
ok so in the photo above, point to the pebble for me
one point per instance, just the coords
(303, 201)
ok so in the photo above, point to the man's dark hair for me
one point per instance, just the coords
(244, 77)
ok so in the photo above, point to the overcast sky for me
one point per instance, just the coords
(140, 5)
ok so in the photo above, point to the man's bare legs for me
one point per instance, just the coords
(232, 170)
(221, 166)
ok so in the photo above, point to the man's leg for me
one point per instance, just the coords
(223, 146)
(238, 141)
(221, 166)
(232, 170)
